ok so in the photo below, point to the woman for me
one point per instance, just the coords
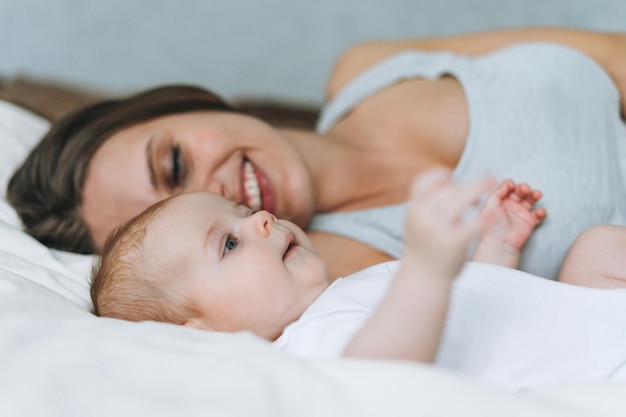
(480, 104)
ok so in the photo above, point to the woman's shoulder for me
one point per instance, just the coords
(357, 59)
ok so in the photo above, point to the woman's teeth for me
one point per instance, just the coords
(251, 187)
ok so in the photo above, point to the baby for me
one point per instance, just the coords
(206, 262)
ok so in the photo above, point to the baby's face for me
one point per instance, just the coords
(243, 270)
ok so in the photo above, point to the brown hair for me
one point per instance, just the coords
(126, 286)
(46, 190)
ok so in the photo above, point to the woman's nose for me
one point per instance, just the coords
(263, 221)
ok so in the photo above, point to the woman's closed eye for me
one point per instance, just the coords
(178, 168)
(230, 244)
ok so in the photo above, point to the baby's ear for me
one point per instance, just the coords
(197, 323)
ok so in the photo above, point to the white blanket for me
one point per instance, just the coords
(57, 359)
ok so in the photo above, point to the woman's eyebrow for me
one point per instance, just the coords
(149, 160)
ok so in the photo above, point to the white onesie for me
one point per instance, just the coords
(504, 327)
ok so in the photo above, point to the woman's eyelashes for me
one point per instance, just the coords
(230, 244)
(176, 167)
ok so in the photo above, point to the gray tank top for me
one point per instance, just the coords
(539, 113)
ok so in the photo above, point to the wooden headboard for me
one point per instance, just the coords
(53, 99)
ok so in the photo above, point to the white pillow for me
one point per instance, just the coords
(22, 257)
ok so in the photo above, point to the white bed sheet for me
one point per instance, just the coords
(57, 359)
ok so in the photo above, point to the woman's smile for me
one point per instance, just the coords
(256, 190)
(251, 192)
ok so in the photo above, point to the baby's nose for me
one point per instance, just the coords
(264, 222)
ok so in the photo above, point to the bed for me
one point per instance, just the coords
(57, 359)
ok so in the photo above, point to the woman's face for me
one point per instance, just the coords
(231, 154)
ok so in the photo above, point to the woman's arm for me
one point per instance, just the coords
(608, 49)
(409, 322)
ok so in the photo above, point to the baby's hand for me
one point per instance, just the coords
(510, 219)
(439, 227)
(510, 214)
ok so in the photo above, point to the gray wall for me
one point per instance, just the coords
(281, 49)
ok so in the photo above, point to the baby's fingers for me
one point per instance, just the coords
(459, 198)
(540, 214)
(499, 193)
(534, 196)
(527, 195)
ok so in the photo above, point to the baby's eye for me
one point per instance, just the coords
(230, 244)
